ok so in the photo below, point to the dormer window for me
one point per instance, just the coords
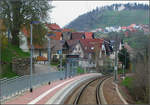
(92, 48)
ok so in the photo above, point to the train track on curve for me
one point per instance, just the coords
(90, 92)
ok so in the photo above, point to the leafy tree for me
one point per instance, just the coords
(123, 56)
(17, 13)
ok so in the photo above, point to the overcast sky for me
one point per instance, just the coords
(66, 11)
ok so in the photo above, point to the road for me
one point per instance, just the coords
(44, 68)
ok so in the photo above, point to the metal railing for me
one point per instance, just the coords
(16, 85)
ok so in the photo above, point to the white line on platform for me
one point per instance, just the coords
(47, 92)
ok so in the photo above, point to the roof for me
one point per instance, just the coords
(57, 36)
(41, 58)
(37, 46)
(89, 44)
(77, 35)
(53, 26)
(132, 25)
(88, 35)
(123, 27)
(66, 30)
(72, 43)
(56, 45)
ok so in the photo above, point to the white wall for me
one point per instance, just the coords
(23, 43)
(78, 50)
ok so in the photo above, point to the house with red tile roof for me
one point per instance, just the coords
(124, 28)
(88, 46)
(85, 48)
(82, 35)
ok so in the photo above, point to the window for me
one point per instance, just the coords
(92, 48)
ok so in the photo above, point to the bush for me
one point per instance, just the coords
(80, 70)
(127, 82)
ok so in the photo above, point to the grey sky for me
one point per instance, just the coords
(65, 11)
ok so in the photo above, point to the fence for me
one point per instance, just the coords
(16, 85)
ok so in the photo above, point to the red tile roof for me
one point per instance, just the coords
(36, 46)
(88, 44)
(41, 58)
(57, 36)
(123, 27)
(53, 26)
(77, 35)
(88, 35)
(66, 30)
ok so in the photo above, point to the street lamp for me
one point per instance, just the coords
(61, 53)
(31, 53)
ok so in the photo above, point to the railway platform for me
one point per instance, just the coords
(50, 94)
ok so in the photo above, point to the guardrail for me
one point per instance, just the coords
(16, 85)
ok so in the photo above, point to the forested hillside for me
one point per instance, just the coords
(114, 15)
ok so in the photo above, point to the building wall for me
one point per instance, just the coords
(86, 64)
(78, 50)
(23, 43)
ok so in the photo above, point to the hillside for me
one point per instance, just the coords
(7, 53)
(114, 15)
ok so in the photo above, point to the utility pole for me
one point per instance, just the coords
(116, 60)
(31, 59)
(49, 52)
(61, 61)
(125, 63)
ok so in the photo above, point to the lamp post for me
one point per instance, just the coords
(61, 55)
(31, 53)
(49, 51)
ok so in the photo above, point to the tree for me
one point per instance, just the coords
(123, 56)
(17, 13)
(140, 61)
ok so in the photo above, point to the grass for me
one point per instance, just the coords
(7, 53)
(12, 51)
(8, 71)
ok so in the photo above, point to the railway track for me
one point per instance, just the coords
(89, 93)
